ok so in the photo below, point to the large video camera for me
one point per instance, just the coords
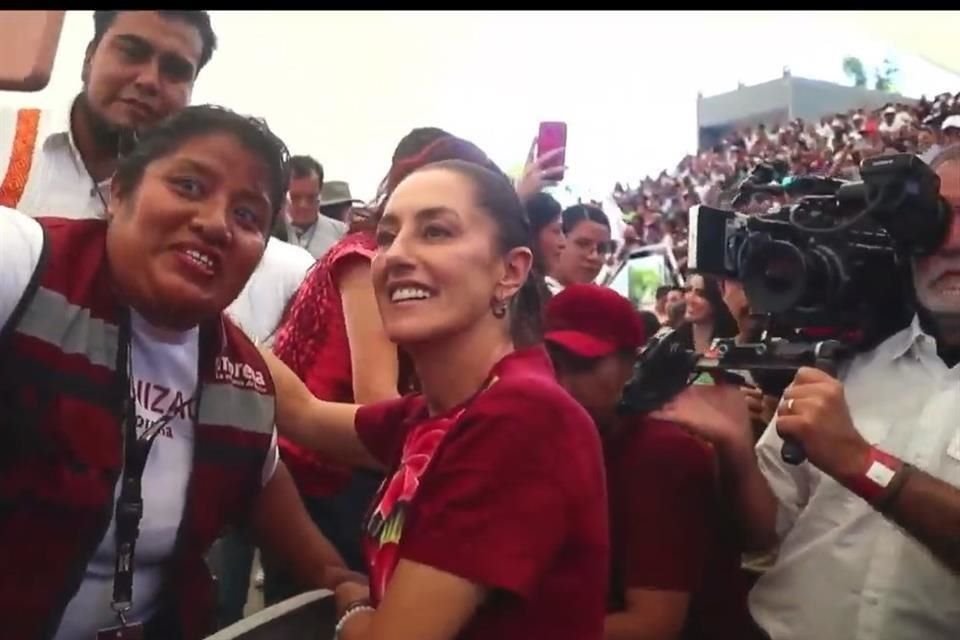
(836, 256)
(827, 270)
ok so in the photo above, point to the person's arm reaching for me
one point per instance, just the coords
(719, 415)
(373, 358)
(327, 427)
(284, 530)
(451, 601)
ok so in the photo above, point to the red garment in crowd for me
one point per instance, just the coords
(506, 490)
(669, 528)
(312, 341)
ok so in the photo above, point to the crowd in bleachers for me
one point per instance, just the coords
(657, 207)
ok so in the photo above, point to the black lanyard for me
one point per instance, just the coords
(129, 508)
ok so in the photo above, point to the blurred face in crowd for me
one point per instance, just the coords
(587, 246)
(183, 242)
(438, 266)
(598, 389)
(699, 310)
(552, 243)
(936, 278)
(925, 139)
(304, 199)
(141, 71)
(674, 297)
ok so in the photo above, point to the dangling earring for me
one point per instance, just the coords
(498, 308)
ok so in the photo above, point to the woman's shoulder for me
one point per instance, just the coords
(531, 406)
(358, 243)
(660, 442)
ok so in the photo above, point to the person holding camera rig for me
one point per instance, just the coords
(869, 528)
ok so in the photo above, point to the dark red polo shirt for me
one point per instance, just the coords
(507, 491)
(670, 529)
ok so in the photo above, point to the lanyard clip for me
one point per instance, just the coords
(121, 608)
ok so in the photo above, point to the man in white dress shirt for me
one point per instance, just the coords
(303, 224)
(139, 68)
(869, 526)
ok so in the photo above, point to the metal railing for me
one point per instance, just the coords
(308, 616)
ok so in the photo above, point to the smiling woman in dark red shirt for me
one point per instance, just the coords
(492, 523)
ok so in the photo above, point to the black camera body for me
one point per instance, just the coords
(828, 271)
(832, 262)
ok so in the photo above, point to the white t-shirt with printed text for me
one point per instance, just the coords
(164, 368)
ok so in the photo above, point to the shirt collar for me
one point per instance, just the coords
(525, 361)
(905, 341)
(57, 129)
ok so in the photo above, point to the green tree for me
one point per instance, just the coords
(886, 76)
(853, 68)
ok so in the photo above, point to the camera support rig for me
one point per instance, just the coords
(664, 368)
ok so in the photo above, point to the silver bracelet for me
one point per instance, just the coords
(341, 623)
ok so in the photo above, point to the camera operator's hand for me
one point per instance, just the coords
(814, 411)
(718, 414)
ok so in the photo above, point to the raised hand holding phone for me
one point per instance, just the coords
(545, 160)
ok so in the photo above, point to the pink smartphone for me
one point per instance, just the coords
(553, 135)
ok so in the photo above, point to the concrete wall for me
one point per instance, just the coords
(779, 100)
(743, 103)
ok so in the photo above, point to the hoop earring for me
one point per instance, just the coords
(499, 308)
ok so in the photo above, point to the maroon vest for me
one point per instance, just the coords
(61, 393)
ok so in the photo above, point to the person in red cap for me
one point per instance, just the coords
(675, 564)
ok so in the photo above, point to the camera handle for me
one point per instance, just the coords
(792, 451)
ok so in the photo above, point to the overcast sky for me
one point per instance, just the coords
(345, 86)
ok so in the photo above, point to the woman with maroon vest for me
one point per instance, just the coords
(137, 419)
(492, 523)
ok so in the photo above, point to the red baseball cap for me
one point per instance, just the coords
(593, 321)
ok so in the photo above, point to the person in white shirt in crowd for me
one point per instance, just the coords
(950, 131)
(869, 526)
(139, 68)
(157, 418)
(904, 118)
(303, 224)
(889, 122)
(259, 307)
